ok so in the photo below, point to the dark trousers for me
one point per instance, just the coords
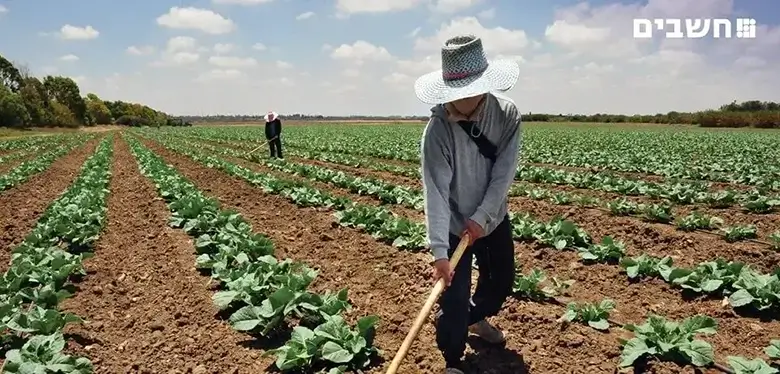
(496, 261)
(276, 147)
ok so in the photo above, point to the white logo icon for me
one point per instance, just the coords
(746, 28)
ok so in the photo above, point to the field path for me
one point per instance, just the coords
(381, 279)
(148, 309)
(22, 205)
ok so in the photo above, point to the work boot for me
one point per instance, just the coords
(487, 332)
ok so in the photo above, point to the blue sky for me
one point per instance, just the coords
(575, 56)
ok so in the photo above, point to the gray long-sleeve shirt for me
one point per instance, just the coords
(459, 183)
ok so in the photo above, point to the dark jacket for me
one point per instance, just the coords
(273, 128)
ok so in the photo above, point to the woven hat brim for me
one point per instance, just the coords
(501, 75)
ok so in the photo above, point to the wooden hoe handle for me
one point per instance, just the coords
(264, 144)
(438, 288)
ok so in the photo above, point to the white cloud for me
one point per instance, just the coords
(414, 32)
(242, 2)
(179, 51)
(283, 65)
(567, 34)
(3, 9)
(140, 50)
(360, 51)
(232, 62)
(70, 32)
(259, 47)
(487, 14)
(223, 48)
(69, 58)
(304, 16)
(191, 18)
(351, 73)
(495, 40)
(347, 7)
(181, 43)
(453, 6)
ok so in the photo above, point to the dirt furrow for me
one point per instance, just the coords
(641, 237)
(393, 284)
(147, 309)
(22, 205)
(401, 210)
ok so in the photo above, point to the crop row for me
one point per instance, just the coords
(741, 157)
(261, 292)
(658, 337)
(31, 150)
(32, 141)
(42, 267)
(677, 337)
(734, 157)
(38, 164)
(411, 197)
(679, 192)
(562, 234)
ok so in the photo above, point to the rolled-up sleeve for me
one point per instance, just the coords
(437, 174)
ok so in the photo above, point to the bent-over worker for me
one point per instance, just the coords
(273, 132)
(469, 155)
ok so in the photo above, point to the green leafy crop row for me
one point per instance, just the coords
(26, 169)
(261, 292)
(41, 267)
(377, 221)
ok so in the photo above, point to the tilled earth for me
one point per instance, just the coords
(23, 204)
(147, 309)
(393, 284)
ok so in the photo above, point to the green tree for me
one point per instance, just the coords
(36, 101)
(66, 92)
(62, 116)
(13, 113)
(97, 110)
(9, 75)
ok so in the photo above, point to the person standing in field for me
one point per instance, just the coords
(273, 132)
(469, 154)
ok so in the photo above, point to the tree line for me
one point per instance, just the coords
(761, 114)
(56, 101)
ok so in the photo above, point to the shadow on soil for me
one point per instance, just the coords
(274, 340)
(494, 359)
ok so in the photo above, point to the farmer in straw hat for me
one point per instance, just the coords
(273, 133)
(470, 150)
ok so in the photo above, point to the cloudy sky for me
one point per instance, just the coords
(362, 56)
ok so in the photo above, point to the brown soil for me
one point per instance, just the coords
(148, 309)
(652, 238)
(366, 173)
(640, 237)
(362, 199)
(393, 284)
(22, 205)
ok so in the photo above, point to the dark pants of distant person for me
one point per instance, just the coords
(276, 147)
(496, 261)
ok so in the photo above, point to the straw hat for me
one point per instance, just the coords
(465, 72)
